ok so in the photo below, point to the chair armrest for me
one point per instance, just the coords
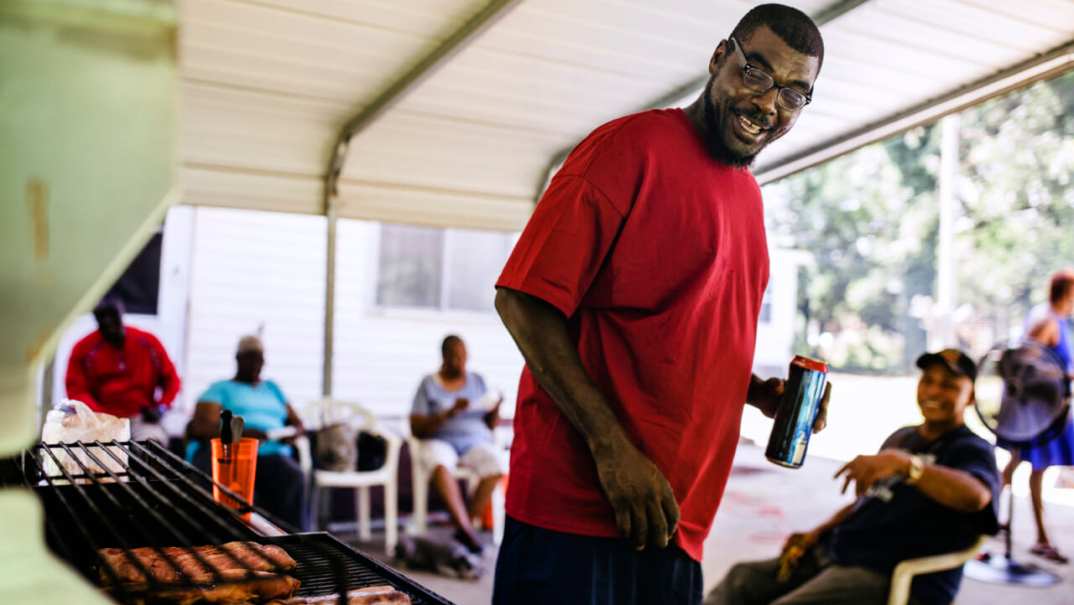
(305, 456)
(904, 572)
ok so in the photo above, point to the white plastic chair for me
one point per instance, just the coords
(904, 572)
(329, 411)
(420, 477)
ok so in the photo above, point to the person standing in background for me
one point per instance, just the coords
(123, 371)
(1050, 325)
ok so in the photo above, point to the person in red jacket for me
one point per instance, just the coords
(123, 371)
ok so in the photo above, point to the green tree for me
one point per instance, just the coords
(870, 220)
(1017, 201)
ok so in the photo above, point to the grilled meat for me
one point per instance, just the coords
(373, 595)
(170, 564)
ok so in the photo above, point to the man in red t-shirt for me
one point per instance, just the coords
(634, 294)
(118, 369)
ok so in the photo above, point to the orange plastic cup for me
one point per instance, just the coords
(237, 472)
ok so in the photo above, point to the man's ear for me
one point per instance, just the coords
(719, 55)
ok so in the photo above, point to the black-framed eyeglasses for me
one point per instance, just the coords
(760, 82)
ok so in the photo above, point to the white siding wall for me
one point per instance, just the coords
(257, 271)
(381, 354)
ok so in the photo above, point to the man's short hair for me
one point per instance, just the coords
(110, 304)
(448, 342)
(250, 344)
(1061, 283)
(792, 26)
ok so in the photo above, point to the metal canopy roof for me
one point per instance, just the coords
(268, 85)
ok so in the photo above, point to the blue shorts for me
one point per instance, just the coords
(541, 566)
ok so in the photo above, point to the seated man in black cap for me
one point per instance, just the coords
(931, 489)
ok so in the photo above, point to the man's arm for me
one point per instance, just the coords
(644, 504)
(1045, 332)
(492, 418)
(805, 540)
(169, 378)
(206, 423)
(953, 488)
(425, 426)
(293, 419)
(950, 487)
(837, 518)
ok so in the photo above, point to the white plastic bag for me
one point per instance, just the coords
(71, 421)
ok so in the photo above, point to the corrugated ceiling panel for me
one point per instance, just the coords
(1056, 15)
(930, 37)
(432, 207)
(435, 153)
(525, 93)
(266, 47)
(964, 18)
(213, 186)
(263, 132)
(423, 17)
(270, 82)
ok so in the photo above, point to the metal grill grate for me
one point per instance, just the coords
(129, 495)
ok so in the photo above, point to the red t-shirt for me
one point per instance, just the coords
(121, 382)
(656, 254)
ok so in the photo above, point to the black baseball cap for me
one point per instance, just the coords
(953, 359)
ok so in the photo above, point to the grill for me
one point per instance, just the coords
(130, 494)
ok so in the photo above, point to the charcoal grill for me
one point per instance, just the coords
(134, 494)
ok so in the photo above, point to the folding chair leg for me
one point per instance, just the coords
(499, 514)
(313, 509)
(362, 502)
(421, 502)
(391, 517)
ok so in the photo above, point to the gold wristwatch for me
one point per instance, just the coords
(917, 468)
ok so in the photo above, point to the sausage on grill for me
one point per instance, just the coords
(236, 588)
(162, 564)
(373, 595)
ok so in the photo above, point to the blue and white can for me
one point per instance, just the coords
(798, 409)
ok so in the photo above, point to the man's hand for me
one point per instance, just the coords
(796, 546)
(765, 395)
(460, 406)
(645, 508)
(802, 541)
(492, 418)
(867, 470)
(151, 414)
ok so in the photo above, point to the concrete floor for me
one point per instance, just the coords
(763, 504)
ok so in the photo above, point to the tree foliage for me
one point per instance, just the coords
(870, 221)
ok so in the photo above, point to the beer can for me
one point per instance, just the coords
(798, 409)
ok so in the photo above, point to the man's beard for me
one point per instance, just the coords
(714, 142)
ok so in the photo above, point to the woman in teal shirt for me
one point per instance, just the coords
(279, 485)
